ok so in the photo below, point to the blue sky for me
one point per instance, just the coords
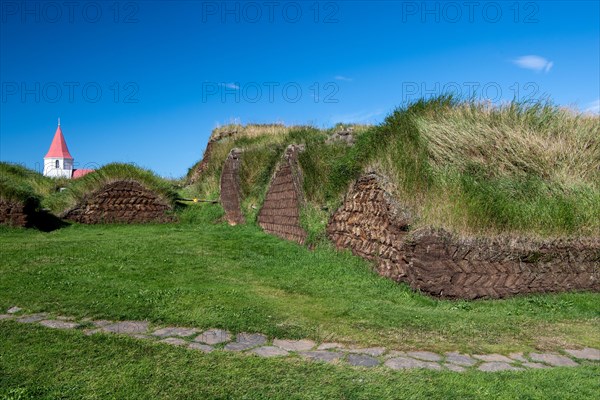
(147, 81)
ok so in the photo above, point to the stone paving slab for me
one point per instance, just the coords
(236, 346)
(330, 346)
(214, 336)
(553, 359)
(454, 367)
(424, 355)
(372, 351)
(5, 316)
(518, 357)
(175, 331)
(460, 359)
(200, 346)
(322, 355)
(101, 323)
(270, 351)
(406, 362)
(362, 360)
(48, 323)
(534, 365)
(127, 327)
(251, 339)
(394, 354)
(585, 354)
(28, 319)
(14, 310)
(174, 341)
(294, 345)
(493, 358)
(495, 366)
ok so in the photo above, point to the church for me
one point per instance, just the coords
(58, 162)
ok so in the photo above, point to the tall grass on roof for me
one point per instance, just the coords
(524, 168)
(25, 186)
(11, 191)
(18, 183)
(520, 168)
(236, 131)
(258, 140)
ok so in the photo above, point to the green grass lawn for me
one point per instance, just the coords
(197, 273)
(215, 276)
(39, 363)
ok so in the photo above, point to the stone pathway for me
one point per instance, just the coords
(260, 345)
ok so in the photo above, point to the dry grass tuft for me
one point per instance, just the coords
(552, 144)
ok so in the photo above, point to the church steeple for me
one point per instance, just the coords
(58, 162)
(58, 148)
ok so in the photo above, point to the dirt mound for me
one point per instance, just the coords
(280, 213)
(122, 201)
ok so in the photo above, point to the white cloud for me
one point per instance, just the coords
(230, 85)
(358, 117)
(534, 63)
(342, 78)
(593, 107)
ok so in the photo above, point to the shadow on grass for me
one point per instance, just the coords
(45, 221)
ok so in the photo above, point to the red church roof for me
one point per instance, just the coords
(78, 173)
(58, 148)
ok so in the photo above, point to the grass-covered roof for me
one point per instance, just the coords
(519, 168)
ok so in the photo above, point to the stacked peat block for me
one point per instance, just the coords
(280, 213)
(372, 225)
(122, 201)
(450, 266)
(14, 213)
(197, 174)
(215, 137)
(230, 188)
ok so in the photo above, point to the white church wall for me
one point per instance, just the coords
(64, 170)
